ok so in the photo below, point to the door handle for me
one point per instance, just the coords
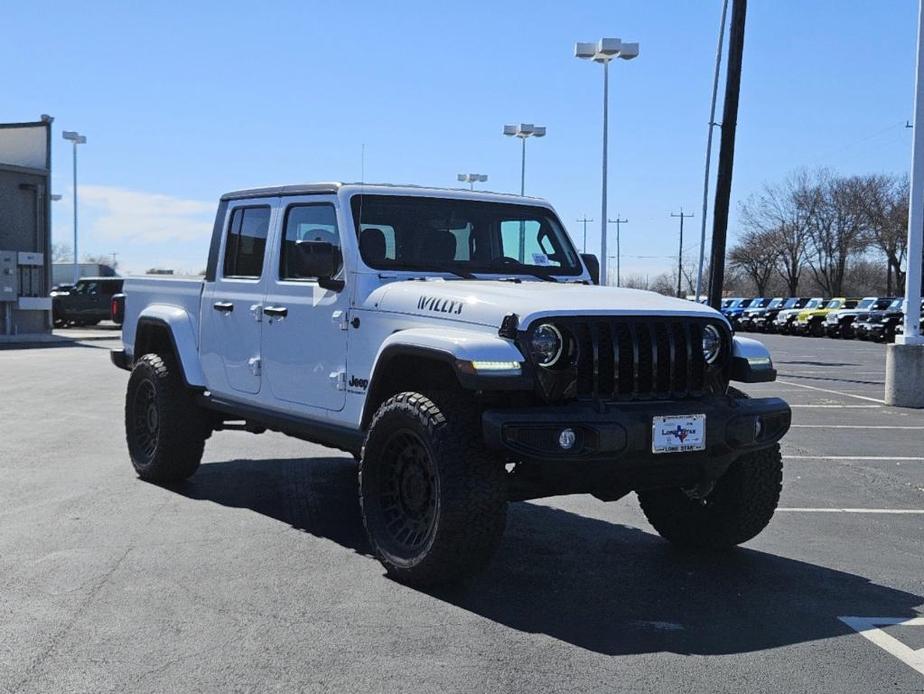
(276, 311)
(223, 306)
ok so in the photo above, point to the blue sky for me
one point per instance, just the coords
(183, 101)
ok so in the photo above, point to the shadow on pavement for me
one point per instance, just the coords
(604, 587)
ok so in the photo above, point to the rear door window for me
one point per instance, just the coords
(246, 242)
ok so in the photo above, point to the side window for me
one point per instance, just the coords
(246, 241)
(311, 222)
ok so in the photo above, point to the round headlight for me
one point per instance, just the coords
(546, 344)
(712, 343)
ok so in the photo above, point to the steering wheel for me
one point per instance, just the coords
(503, 260)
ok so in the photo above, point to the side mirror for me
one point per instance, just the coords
(318, 260)
(593, 266)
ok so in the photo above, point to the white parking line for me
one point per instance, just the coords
(835, 392)
(840, 407)
(868, 627)
(854, 457)
(895, 511)
(853, 426)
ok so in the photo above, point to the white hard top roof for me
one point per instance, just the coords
(336, 187)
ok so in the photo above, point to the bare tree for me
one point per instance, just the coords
(101, 260)
(836, 228)
(885, 205)
(781, 210)
(665, 283)
(755, 255)
(61, 253)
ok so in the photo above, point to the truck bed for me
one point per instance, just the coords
(145, 293)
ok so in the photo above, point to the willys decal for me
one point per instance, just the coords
(439, 305)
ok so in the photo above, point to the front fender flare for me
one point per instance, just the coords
(457, 348)
(180, 327)
(751, 362)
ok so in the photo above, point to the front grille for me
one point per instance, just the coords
(629, 359)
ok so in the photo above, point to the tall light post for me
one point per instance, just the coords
(523, 131)
(904, 384)
(472, 179)
(75, 138)
(603, 52)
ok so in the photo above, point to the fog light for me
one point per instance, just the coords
(566, 439)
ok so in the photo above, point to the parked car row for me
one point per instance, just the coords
(91, 300)
(870, 318)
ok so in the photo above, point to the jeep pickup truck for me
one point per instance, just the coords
(455, 344)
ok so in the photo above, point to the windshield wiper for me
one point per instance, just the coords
(519, 268)
(437, 267)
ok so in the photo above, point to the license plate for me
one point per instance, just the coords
(678, 434)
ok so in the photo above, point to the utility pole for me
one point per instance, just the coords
(617, 222)
(726, 152)
(682, 216)
(584, 221)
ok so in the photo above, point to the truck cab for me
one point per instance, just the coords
(456, 344)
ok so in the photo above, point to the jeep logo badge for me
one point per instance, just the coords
(361, 383)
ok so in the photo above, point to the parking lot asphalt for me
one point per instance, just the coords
(255, 574)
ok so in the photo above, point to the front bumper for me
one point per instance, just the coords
(621, 433)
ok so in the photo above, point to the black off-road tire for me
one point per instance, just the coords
(817, 329)
(738, 508)
(433, 499)
(164, 427)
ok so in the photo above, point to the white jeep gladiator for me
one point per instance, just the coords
(454, 343)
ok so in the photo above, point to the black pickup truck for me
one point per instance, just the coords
(86, 303)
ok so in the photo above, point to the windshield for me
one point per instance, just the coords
(735, 303)
(834, 303)
(866, 303)
(896, 304)
(776, 302)
(461, 236)
(792, 302)
(759, 302)
(881, 304)
(814, 303)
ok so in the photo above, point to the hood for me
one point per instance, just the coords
(486, 302)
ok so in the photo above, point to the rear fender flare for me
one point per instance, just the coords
(180, 328)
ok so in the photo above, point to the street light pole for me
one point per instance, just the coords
(904, 384)
(75, 138)
(523, 131)
(712, 124)
(471, 179)
(603, 52)
(618, 222)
